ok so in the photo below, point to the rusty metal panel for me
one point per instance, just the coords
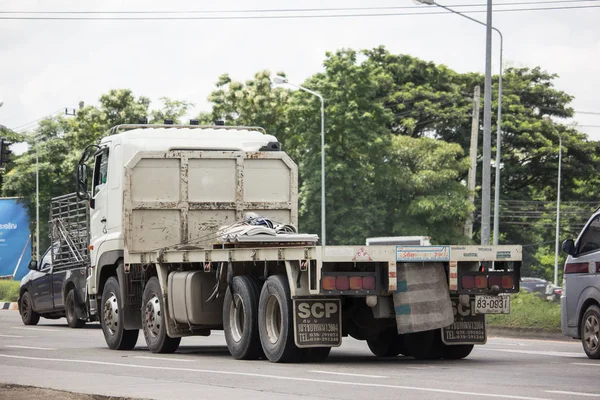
(266, 180)
(212, 180)
(156, 180)
(183, 197)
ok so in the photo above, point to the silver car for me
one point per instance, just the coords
(580, 300)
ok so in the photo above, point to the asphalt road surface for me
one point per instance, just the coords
(51, 355)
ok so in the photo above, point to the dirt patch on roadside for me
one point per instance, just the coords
(18, 392)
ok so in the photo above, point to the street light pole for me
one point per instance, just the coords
(498, 123)
(557, 210)
(280, 80)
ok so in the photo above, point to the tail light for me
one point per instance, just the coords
(468, 282)
(508, 282)
(345, 283)
(480, 281)
(328, 283)
(342, 283)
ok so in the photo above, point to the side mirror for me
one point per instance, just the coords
(33, 265)
(82, 182)
(568, 247)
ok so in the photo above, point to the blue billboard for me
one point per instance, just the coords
(15, 239)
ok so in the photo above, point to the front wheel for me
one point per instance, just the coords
(71, 312)
(28, 316)
(153, 320)
(590, 332)
(111, 318)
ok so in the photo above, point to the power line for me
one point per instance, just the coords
(257, 17)
(279, 10)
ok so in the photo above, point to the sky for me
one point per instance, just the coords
(47, 65)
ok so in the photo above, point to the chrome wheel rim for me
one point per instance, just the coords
(152, 316)
(591, 332)
(236, 318)
(273, 319)
(111, 314)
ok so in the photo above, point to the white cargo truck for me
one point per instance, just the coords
(193, 229)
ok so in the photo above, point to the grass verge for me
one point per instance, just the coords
(9, 290)
(528, 311)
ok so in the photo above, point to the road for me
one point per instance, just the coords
(54, 356)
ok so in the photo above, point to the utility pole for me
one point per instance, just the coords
(473, 156)
(486, 187)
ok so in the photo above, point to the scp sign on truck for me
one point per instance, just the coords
(318, 322)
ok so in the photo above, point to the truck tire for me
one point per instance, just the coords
(426, 345)
(315, 354)
(28, 316)
(111, 318)
(240, 318)
(590, 332)
(457, 351)
(387, 344)
(71, 312)
(153, 320)
(275, 321)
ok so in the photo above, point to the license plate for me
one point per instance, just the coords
(492, 305)
(317, 323)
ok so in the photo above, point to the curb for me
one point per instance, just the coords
(524, 333)
(9, 305)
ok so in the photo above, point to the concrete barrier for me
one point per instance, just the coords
(9, 305)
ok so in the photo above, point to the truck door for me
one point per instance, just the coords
(98, 214)
(42, 285)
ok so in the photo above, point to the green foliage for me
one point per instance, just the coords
(530, 312)
(9, 290)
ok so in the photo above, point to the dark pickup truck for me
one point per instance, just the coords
(53, 292)
(56, 286)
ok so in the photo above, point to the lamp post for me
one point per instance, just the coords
(280, 80)
(498, 122)
(557, 210)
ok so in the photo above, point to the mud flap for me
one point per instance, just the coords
(317, 322)
(422, 299)
(467, 328)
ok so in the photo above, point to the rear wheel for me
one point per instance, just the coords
(425, 345)
(153, 320)
(387, 344)
(275, 321)
(590, 332)
(111, 318)
(240, 318)
(28, 316)
(71, 312)
(456, 352)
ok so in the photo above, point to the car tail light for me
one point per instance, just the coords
(328, 283)
(342, 283)
(368, 282)
(508, 282)
(495, 280)
(480, 281)
(558, 291)
(356, 282)
(468, 282)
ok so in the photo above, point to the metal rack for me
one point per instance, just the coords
(125, 127)
(69, 218)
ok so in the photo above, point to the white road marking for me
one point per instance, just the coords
(538, 353)
(573, 393)
(30, 347)
(162, 358)
(37, 329)
(347, 374)
(587, 364)
(278, 377)
(14, 336)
